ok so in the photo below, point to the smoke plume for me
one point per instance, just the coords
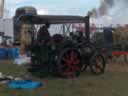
(103, 9)
(111, 12)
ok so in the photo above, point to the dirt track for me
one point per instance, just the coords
(117, 67)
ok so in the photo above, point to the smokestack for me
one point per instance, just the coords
(2, 8)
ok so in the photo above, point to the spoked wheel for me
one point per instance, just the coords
(97, 65)
(70, 63)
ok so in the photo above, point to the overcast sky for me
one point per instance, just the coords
(71, 7)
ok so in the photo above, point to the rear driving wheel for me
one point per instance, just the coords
(70, 63)
(97, 65)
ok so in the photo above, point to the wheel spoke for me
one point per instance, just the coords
(77, 61)
(70, 62)
(98, 65)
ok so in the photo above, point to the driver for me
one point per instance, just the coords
(43, 35)
(43, 38)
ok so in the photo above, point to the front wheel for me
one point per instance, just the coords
(69, 65)
(97, 65)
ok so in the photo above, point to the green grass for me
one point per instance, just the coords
(8, 68)
(110, 84)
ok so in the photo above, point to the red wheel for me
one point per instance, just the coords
(97, 65)
(70, 63)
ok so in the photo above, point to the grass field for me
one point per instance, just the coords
(113, 83)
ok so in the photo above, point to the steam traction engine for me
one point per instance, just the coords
(63, 55)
